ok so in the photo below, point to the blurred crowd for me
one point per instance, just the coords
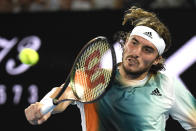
(16, 6)
(53, 5)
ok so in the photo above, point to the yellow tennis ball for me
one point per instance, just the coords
(29, 56)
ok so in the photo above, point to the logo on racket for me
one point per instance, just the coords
(92, 69)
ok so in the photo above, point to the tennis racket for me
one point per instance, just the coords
(91, 74)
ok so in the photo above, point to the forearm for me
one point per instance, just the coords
(33, 112)
(53, 93)
(192, 129)
(61, 107)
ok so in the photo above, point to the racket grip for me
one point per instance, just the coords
(48, 106)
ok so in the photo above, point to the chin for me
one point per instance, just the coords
(135, 71)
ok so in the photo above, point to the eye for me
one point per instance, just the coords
(134, 42)
(148, 49)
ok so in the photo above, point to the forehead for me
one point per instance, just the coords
(142, 41)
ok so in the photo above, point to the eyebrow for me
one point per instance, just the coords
(147, 46)
(135, 39)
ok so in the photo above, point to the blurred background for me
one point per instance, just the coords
(58, 29)
(18, 6)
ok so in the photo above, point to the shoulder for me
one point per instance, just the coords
(171, 83)
(168, 77)
(164, 78)
(166, 83)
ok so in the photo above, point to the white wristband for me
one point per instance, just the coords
(48, 95)
(47, 102)
(48, 106)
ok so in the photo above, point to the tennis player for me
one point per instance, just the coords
(141, 97)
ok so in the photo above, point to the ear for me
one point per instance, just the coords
(157, 60)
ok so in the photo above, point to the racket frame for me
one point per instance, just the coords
(70, 78)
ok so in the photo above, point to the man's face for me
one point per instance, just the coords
(139, 55)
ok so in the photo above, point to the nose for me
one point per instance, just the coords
(136, 52)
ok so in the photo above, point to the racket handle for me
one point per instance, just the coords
(48, 106)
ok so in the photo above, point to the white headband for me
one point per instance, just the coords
(151, 36)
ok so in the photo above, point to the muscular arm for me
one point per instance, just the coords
(192, 129)
(67, 94)
(33, 114)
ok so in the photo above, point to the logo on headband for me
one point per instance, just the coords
(149, 34)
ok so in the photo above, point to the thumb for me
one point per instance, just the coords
(43, 118)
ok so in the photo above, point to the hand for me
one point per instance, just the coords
(33, 114)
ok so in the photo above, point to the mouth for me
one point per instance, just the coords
(132, 61)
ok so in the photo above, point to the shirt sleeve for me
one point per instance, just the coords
(184, 106)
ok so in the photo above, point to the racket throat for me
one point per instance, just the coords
(56, 101)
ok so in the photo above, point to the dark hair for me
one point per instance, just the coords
(139, 17)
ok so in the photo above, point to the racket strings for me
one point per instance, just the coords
(91, 79)
(96, 90)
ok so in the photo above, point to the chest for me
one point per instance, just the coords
(142, 104)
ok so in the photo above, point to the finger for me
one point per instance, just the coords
(37, 110)
(32, 112)
(34, 122)
(29, 113)
(44, 118)
(40, 121)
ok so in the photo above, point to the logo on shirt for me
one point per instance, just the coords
(156, 92)
(149, 34)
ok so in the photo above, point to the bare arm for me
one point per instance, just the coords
(33, 114)
(68, 94)
(192, 129)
